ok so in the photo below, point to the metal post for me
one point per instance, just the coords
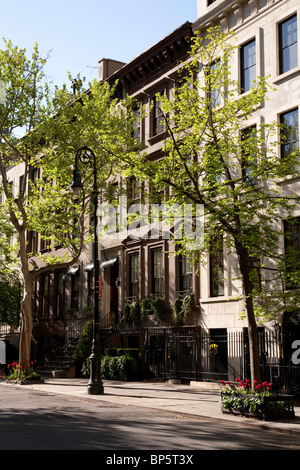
(95, 385)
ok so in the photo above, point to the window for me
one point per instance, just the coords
(292, 252)
(186, 274)
(137, 125)
(157, 272)
(45, 242)
(75, 291)
(34, 175)
(32, 241)
(133, 190)
(216, 268)
(158, 120)
(214, 83)
(248, 65)
(44, 293)
(21, 185)
(210, 2)
(59, 293)
(249, 153)
(289, 132)
(288, 44)
(134, 283)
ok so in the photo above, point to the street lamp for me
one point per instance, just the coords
(86, 155)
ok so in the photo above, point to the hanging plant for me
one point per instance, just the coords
(177, 311)
(135, 310)
(145, 308)
(126, 313)
(188, 304)
(158, 305)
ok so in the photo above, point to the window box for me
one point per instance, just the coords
(257, 405)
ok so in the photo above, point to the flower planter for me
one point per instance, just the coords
(31, 381)
(258, 406)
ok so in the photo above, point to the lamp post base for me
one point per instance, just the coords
(95, 385)
(95, 389)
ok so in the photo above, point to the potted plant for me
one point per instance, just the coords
(158, 306)
(135, 310)
(177, 314)
(260, 402)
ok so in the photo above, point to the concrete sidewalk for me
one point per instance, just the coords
(196, 399)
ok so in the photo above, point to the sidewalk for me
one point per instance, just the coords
(195, 399)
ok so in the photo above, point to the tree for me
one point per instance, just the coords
(213, 158)
(40, 132)
(10, 286)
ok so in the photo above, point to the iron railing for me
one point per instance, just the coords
(210, 356)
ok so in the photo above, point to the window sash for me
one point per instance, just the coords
(289, 132)
(186, 274)
(248, 65)
(217, 268)
(157, 272)
(288, 44)
(134, 280)
(158, 121)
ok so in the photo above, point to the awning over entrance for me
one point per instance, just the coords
(107, 263)
(73, 269)
(89, 267)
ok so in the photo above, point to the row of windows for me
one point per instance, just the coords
(288, 59)
(49, 291)
(287, 51)
(157, 274)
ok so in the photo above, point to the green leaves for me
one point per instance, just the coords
(212, 157)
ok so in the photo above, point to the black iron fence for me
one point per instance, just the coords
(210, 356)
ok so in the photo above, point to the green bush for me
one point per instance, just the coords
(122, 367)
(84, 344)
(177, 314)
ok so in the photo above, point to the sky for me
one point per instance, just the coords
(77, 34)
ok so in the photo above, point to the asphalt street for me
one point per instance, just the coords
(37, 420)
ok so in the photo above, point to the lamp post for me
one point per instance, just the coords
(86, 155)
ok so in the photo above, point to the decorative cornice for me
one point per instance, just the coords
(157, 60)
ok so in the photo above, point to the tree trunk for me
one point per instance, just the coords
(26, 328)
(242, 253)
(26, 305)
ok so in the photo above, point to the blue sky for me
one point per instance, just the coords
(79, 33)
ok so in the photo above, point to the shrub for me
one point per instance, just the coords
(122, 367)
(177, 314)
(84, 344)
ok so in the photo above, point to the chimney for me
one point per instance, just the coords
(107, 67)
